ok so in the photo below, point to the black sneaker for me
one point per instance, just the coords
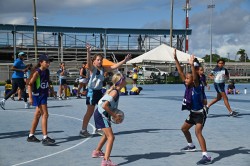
(234, 114)
(204, 161)
(12, 98)
(33, 139)
(48, 141)
(78, 97)
(189, 149)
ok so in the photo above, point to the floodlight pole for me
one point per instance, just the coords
(171, 24)
(211, 18)
(35, 30)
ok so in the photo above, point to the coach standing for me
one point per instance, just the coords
(19, 69)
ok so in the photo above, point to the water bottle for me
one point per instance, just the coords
(245, 91)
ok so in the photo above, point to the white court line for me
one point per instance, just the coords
(58, 151)
(233, 107)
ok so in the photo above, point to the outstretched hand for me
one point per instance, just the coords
(191, 60)
(128, 57)
(88, 47)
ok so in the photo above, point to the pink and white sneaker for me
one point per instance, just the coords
(97, 154)
(108, 163)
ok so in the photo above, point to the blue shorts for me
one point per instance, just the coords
(101, 120)
(39, 100)
(62, 82)
(93, 96)
(219, 87)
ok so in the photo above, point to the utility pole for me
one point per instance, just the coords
(171, 23)
(186, 8)
(211, 18)
(35, 30)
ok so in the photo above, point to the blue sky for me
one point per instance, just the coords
(231, 18)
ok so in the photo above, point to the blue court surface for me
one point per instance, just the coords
(149, 136)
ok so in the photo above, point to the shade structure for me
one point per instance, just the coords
(162, 54)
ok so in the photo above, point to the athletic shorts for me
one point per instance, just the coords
(83, 80)
(62, 82)
(197, 117)
(93, 96)
(39, 100)
(219, 87)
(101, 121)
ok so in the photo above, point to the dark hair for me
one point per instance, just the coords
(223, 60)
(8, 81)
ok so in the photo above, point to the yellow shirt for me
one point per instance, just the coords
(8, 86)
(134, 89)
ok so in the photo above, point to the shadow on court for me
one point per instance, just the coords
(228, 153)
(150, 156)
(142, 131)
(69, 139)
(227, 115)
(24, 133)
(137, 131)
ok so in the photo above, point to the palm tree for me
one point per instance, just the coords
(243, 55)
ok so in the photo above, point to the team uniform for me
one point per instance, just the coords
(83, 79)
(135, 73)
(62, 78)
(203, 83)
(219, 78)
(40, 89)
(102, 118)
(193, 101)
(95, 85)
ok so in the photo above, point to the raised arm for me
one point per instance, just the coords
(115, 66)
(89, 61)
(180, 71)
(194, 74)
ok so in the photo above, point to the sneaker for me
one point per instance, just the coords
(33, 139)
(78, 97)
(59, 98)
(20, 99)
(2, 104)
(204, 161)
(27, 105)
(84, 134)
(97, 154)
(234, 114)
(48, 141)
(189, 149)
(12, 98)
(107, 163)
(99, 132)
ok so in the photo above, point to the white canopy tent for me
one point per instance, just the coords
(162, 54)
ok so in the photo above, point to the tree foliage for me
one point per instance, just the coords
(243, 55)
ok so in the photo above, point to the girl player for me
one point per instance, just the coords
(95, 84)
(193, 101)
(38, 87)
(102, 116)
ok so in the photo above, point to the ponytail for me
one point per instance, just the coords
(110, 89)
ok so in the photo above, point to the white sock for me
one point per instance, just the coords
(45, 136)
(83, 130)
(205, 154)
(191, 144)
(30, 135)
